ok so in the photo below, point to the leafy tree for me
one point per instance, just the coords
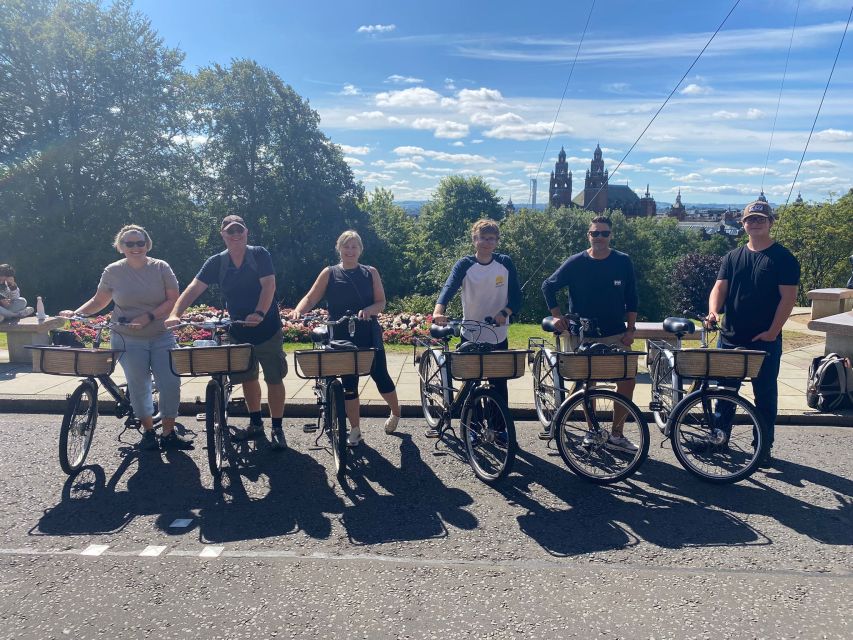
(390, 243)
(693, 276)
(456, 204)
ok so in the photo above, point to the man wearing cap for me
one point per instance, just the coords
(757, 289)
(246, 279)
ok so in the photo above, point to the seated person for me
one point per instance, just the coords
(12, 305)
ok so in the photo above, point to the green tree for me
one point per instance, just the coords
(390, 245)
(456, 204)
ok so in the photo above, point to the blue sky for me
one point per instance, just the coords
(414, 91)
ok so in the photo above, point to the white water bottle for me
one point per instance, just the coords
(40, 314)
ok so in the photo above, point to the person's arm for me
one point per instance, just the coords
(717, 300)
(788, 295)
(161, 311)
(551, 285)
(378, 298)
(94, 304)
(264, 301)
(632, 303)
(190, 294)
(451, 286)
(514, 297)
(314, 295)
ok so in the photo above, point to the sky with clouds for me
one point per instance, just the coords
(415, 91)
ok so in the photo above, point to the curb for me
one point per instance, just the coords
(378, 409)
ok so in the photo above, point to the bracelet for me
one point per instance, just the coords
(258, 312)
(151, 316)
(504, 313)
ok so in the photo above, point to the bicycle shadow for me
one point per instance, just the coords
(417, 505)
(588, 518)
(297, 497)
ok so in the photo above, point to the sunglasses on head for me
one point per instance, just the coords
(595, 234)
(134, 243)
(755, 219)
(235, 230)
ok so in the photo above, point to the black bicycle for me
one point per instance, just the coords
(218, 359)
(96, 365)
(326, 364)
(487, 429)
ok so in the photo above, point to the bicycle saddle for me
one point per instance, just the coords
(343, 345)
(548, 324)
(679, 326)
(318, 334)
(441, 333)
(598, 349)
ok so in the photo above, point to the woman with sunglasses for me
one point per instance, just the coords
(143, 291)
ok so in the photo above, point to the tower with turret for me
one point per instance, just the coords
(595, 185)
(560, 188)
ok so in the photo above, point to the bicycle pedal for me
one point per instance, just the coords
(201, 417)
(309, 428)
(544, 435)
(432, 433)
(656, 406)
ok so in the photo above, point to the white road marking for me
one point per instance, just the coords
(94, 549)
(181, 523)
(211, 552)
(152, 551)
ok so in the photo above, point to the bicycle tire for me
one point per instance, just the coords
(78, 426)
(548, 390)
(214, 426)
(431, 389)
(702, 452)
(488, 433)
(660, 371)
(337, 427)
(586, 451)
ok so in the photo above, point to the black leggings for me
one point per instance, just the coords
(379, 373)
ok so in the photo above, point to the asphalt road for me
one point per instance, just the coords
(415, 546)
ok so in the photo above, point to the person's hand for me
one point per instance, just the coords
(711, 320)
(560, 324)
(765, 336)
(172, 321)
(362, 315)
(500, 319)
(66, 313)
(5, 303)
(140, 321)
(628, 337)
(253, 320)
(440, 320)
(294, 315)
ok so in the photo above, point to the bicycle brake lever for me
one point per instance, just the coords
(351, 327)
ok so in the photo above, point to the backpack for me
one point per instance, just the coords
(224, 260)
(830, 384)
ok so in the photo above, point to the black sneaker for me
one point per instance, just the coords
(766, 462)
(252, 432)
(278, 440)
(176, 441)
(149, 441)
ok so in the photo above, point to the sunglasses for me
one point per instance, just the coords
(134, 243)
(235, 230)
(595, 234)
(755, 219)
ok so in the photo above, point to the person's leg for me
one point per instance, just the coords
(724, 412)
(765, 387)
(136, 363)
(624, 388)
(274, 364)
(168, 384)
(352, 406)
(387, 389)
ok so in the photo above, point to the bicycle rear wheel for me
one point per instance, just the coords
(584, 424)
(717, 436)
(548, 388)
(660, 371)
(431, 388)
(78, 427)
(336, 423)
(215, 425)
(488, 432)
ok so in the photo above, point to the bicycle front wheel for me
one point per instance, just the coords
(548, 389)
(585, 426)
(78, 426)
(336, 423)
(215, 425)
(431, 388)
(489, 435)
(717, 436)
(663, 386)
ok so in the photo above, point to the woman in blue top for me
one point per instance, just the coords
(350, 286)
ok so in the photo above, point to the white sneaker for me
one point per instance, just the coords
(621, 443)
(26, 312)
(391, 423)
(354, 438)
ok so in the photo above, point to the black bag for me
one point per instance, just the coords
(64, 338)
(829, 386)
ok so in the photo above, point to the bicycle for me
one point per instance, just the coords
(549, 390)
(326, 364)
(716, 434)
(487, 429)
(585, 421)
(218, 360)
(96, 365)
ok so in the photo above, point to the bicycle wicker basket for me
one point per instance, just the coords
(207, 361)
(489, 364)
(601, 367)
(324, 363)
(718, 363)
(72, 361)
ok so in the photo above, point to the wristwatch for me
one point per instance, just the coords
(504, 313)
(151, 317)
(258, 312)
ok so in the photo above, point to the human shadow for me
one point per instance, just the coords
(587, 518)
(417, 505)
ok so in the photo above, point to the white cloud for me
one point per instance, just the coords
(396, 120)
(617, 87)
(458, 143)
(398, 79)
(366, 115)
(754, 114)
(355, 151)
(477, 141)
(414, 97)
(488, 120)
(834, 135)
(450, 84)
(476, 100)
(690, 177)
(745, 171)
(820, 164)
(350, 90)
(398, 164)
(665, 160)
(694, 89)
(372, 29)
(527, 131)
(442, 128)
(725, 115)
(442, 156)
(353, 162)
(787, 161)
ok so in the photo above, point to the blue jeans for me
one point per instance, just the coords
(764, 385)
(141, 358)
(16, 306)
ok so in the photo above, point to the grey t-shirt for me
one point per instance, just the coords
(136, 291)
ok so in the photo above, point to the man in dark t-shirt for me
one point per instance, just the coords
(603, 289)
(246, 277)
(757, 289)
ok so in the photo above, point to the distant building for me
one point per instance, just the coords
(677, 210)
(510, 207)
(560, 188)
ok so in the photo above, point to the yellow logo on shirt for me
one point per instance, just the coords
(499, 281)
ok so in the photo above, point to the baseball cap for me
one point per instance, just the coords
(758, 208)
(227, 221)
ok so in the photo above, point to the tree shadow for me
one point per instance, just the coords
(417, 505)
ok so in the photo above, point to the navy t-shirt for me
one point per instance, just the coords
(241, 289)
(753, 293)
(601, 290)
